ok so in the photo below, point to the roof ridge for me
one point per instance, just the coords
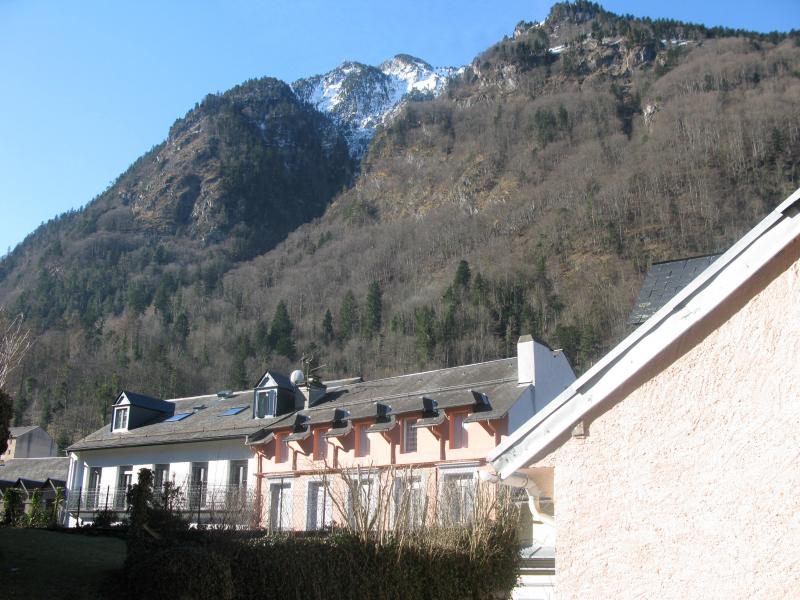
(486, 362)
(449, 388)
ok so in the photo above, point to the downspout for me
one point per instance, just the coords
(259, 477)
(518, 479)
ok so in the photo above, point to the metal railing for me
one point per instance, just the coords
(197, 502)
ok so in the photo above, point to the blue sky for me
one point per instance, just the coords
(89, 85)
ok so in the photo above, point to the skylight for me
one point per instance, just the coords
(177, 417)
(233, 411)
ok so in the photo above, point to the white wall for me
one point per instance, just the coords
(553, 376)
(180, 457)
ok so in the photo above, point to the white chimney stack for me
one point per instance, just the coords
(526, 368)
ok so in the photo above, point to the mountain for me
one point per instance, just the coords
(529, 195)
(360, 97)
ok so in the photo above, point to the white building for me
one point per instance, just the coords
(196, 443)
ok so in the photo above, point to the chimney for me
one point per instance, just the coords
(309, 393)
(526, 369)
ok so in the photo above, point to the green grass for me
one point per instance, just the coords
(40, 564)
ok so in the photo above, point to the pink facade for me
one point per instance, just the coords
(432, 431)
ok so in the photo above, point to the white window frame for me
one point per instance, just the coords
(163, 469)
(234, 466)
(447, 471)
(121, 413)
(284, 509)
(312, 509)
(372, 481)
(270, 404)
(399, 483)
(124, 483)
(93, 491)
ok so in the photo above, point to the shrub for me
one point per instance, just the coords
(177, 572)
(37, 517)
(104, 518)
(13, 507)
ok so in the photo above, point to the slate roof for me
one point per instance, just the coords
(204, 424)
(20, 431)
(449, 387)
(143, 401)
(663, 281)
(35, 469)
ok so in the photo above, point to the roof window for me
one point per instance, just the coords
(177, 417)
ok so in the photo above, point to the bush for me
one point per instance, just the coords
(342, 566)
(333, 566)
(178, 571)
(13, 506)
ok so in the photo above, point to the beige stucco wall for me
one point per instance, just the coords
(689, 486)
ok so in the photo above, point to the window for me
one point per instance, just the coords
(198, 485)
(93, 490)
(280, 505)
(362, 441)
(362, 501)
(160, 476)
(457, 497)
(458, 431)
(266, 403)
(410, 501)
(121, 418)
(124, 482)
(237, 477)
(320, 507)
(320, 445)
(281, 448)
(177, 417)
(409, 435)
(233, 411)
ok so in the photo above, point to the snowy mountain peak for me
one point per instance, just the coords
(360, 97)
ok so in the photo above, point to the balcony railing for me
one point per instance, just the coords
(200, 500)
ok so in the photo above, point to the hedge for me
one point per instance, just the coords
(338, 566)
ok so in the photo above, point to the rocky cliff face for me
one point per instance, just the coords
(254, 159)
(360, 97)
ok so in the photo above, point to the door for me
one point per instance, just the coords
(93, 490)
(198, 485)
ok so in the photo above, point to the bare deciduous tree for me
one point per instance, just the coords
(15, 341)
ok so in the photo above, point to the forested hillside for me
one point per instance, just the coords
(530, 196)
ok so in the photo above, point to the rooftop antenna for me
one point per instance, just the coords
(310, 370)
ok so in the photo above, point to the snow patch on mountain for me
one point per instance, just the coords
(360, 97)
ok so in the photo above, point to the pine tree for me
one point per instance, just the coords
(280, 332)
(373, 315)
(424, 326)
(328, 334)
(348, 316)
(182, 328)
(463, 274)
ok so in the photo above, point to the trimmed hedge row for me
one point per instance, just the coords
(338, 566)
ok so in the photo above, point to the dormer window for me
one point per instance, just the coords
(121, 418)
(266, 403)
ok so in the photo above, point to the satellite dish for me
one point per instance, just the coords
(297, 377)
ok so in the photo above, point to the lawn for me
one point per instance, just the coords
(41, 564)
